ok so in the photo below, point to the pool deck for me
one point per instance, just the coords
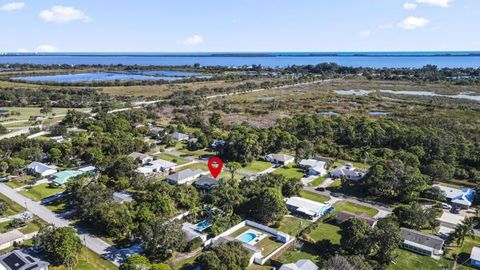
(267, 243)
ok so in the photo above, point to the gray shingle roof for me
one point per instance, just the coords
(428, 240)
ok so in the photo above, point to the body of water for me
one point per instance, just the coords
(359, 59)
(94, 77)
(468, 96)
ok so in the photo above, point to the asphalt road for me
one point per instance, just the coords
(94, 243)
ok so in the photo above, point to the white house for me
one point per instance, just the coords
(314, 167)
(280, 159)
(42, 169)
(180, 136)
(9, 238)
(308, 208)
(348, 171)
(184, 177)
(421, 243)
(156, 166)
(300, 265)
(461, 198)
(141, 158)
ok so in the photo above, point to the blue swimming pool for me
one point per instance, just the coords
(202, 225)
(247, 237)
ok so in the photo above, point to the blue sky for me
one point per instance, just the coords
(238, 25)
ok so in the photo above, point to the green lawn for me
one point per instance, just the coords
(336, 184)
(292, 255)
(181, 147)
(410, 260)
(181, 263)
(317, 182)
(171, 158)
(292, 225)
(325, 231)
(14, 184)
(88, 260)
(293, 172)
(354, 208)
(195, 166)
(39, 192)
(13, 208)
(314, 196)
(26, 112)
(258, 166)
(4, 227)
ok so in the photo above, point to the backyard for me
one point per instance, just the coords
(314, 196)
(171, 158)
(258, 166)
(39, 192)
(293, 172)
(354, 208)
(325, 231)
(410, 260)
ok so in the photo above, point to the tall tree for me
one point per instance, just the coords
(61, 245)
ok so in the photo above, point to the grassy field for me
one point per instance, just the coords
(27, 112)
(89, 261)
(13, 208)
(293, 172)
(294, 255)
(171, 158)
(354, 208)
(181, 147)
(258, 166)
(410, 260)
(314, 196)
(39, 192)
(325, 231)
(292, 225)
(317, 182)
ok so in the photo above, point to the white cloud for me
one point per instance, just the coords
(46, 48)
(364, 34)
(438, 3)
(13, 6)
(385, 26)
(409, 6)
(193, 40)
(412, 23)
(62, 14)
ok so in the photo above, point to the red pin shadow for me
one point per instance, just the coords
(215, 166)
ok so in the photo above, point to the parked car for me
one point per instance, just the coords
(320, 189)
(446, 206)
(455, 210)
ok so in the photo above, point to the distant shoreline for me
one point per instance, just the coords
(259, 55)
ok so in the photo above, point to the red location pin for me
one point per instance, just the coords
(215, 166)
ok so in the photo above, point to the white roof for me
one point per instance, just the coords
(40, 167)
(144, 170)
(312, 163)
(160, 163)
(300, 265)
(475, 254)
(306, 206)
(281, 157)
(14, 235)
(450, 192)
(87, 169)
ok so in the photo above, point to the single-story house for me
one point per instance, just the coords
(421, 243)
(122, 197)
(347, 171)
(206, 183)
(180, 136)
(314, 167)
(59, 139)
(141, 158)
(42, 169)
(300, 265)
(184, 177)
(60, 178)
(461, 198)
(9, 238)
(158, 165)
(344, 216)
(18, 260)
(307, 208)
(280, 159)
(475, 257)
(191, 232)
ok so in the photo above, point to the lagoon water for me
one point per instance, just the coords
(359, 59)
(94, 77)
(360, 92)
